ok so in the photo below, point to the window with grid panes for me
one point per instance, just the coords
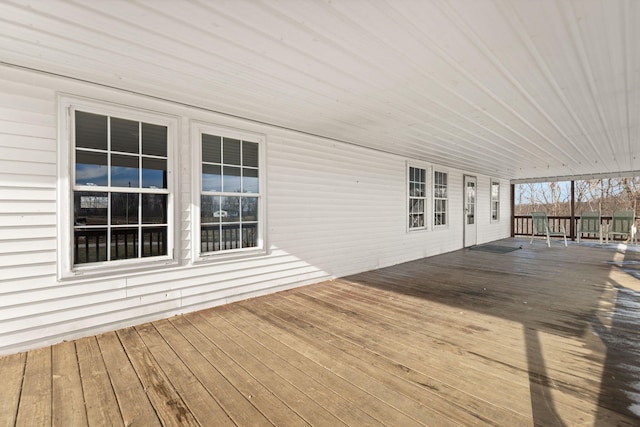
(230, 194)
(495, 200)
(440, 198)
(417, 197)
(120, 188)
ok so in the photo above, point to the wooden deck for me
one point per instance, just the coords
(536, 336)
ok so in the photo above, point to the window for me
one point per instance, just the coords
(495, 200)
(417, 197)
(231, 189)
(120, 192)
(440, 198)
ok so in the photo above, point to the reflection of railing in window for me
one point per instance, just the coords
(220, 238)
(90, 245)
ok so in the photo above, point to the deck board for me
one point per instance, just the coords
(538, 336)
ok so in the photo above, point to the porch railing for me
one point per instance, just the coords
(522, 225)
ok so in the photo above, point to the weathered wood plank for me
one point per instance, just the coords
(12, 368)
(197, 398)
(101, 404)
(35, 398)
(68, 401)
(168, 404)
(133, 401)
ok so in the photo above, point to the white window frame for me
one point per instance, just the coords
(436, 197)
(67, 105)
(197, 130)
(425, 197)
(492, 200)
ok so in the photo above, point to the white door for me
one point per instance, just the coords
(470, 230)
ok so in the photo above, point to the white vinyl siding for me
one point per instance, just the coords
(330, 209)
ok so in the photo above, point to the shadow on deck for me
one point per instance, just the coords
(535, 336)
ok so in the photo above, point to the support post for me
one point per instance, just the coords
(513, 210)
(572, 225)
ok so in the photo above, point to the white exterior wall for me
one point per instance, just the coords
(333, 209)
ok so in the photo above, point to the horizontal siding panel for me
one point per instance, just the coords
(33, 130)
(27, 194)
(23, 180)
(47, 287)
(25, 167)
(27, 258)
(34, 156)
(30, 142)
(26, 245)
(31, 207)
(15, 233)
(27, 220)
(24, 271)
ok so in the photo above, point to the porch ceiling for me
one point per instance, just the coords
(514, 89)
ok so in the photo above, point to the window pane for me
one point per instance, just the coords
(210, 211)
(91, 168)
(154, 208)
(249, 235)
(124, 171)
(231, 151)
(154, 173)
(90, 208)
(249, 209)
(249, 180)
(230, 237)
(231, 208)
(211, 151)
(210, 238)
(124, 243)
(91, 130)
(154, 241)
(211, 178)
(89, 245)
(124, 135)
(154, 140)
(250, 154)
(124, 208)
(231, 183)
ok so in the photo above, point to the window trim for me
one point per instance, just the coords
(434, 198)
(427, 200)
(493, 181)
(197, 128)
(67, 105)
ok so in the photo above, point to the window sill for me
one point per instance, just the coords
(112, 271)
(221, 257)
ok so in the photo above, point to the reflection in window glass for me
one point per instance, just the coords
(154, 140)
(231, 182)
(231, 152)
(417, 197)
(91, 130)
(90, 208)
(154, 208)
(124, 171)
(211, 177)
(154, 173)
(124, 208)
(111, 225)
(124, 136)
(229, 166)
(440, 198)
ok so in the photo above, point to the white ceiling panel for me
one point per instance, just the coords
(515, 89)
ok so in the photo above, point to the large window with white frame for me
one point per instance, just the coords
(440, 198)
(231, 188)
(417, 197)
(120, 194)
(495, 200)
